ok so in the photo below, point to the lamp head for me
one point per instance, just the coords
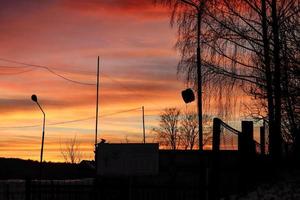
(34, 98)
(188, 95)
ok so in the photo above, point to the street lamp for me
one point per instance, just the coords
(199, 9)
(34, 98)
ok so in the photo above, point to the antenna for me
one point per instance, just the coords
(97, 103)
(143, 115)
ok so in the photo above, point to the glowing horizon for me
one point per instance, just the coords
(138, 68)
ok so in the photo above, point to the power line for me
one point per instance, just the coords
(49, 70)
(5, 66)
(124, 111)
(50, 124)
(72, 121)
(16, 73)
(81, 72)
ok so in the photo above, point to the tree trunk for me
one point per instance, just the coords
(268, 73)
(276, 148)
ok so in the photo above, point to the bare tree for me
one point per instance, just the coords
(244, 43)
(178, 131)
(126, 139)
(71, 151)
(168, 130)
(189, 130)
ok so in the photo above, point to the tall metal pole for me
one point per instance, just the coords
(97, 103)
(199, 9)
(144, 134)
(35, 99)
(199, 79)
(43, 136)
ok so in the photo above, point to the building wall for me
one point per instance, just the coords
(127, 159)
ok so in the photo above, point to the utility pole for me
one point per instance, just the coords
(143, 115)
(199, 79)
(97, 103)
(199, 9)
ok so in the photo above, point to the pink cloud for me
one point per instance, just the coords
(144, 9)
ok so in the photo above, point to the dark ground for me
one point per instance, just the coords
(13, 168)
(265, 179)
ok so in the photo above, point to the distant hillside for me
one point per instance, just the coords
(13, 168)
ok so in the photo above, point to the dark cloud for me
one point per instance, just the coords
(17, 8)
(119, 8)
(122, 4)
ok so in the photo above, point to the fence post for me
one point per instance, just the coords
(262, 140)
(216, 134)
(246, 141)
(27, 189)
(246, 151)
(7, 190)
(214, 175)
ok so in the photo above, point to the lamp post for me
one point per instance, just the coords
(34, 98)
(188, 93)
(199, 9)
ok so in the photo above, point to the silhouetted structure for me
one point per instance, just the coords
(127, 159)
(246, 143)
(179, 174)
(142, 171)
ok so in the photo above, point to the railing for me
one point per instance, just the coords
(226, 137)
(91, 190)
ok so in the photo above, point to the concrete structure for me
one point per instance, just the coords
(127, 159)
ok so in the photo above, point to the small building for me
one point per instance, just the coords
(142, 171)
(133, 159)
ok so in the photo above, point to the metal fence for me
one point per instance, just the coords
(46, 189)
(90, 190)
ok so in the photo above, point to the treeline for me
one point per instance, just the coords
(13, 168)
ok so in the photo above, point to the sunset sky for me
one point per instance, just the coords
(137, 68)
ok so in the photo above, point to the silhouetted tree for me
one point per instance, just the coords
(189, 130)
(71, 151)
(243, 43)
(180, 131)
(168, 130)
(126, 139)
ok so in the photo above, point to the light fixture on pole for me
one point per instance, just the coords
(188, 95)
(35, 99)
(199, 10)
